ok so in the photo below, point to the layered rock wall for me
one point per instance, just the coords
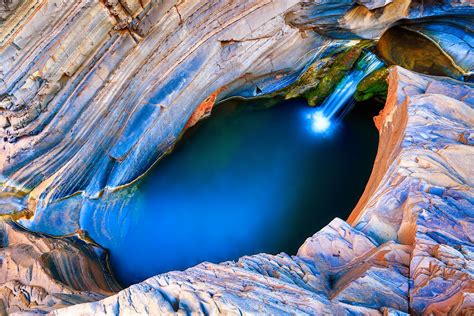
(409, 249)
(92, 95)
(93, 92)
(40, 273)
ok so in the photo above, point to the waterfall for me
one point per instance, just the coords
(344, 91)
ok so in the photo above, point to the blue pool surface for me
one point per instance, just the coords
(244, 181)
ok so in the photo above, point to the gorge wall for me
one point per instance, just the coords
(123, 77)
(406, 248)
(93, 92)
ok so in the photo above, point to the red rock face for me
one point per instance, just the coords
(203, 110)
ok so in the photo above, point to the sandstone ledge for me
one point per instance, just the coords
(40, 273)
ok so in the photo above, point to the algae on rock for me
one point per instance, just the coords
(374, 85)
(322, 77)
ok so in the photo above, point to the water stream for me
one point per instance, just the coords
(335, 103)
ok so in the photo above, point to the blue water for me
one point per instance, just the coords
(246, 180)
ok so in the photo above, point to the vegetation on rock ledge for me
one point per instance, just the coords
(374, 85)
(321, 78)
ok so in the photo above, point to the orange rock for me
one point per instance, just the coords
(204, 109)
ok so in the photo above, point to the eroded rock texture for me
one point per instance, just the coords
(409, 249)
(421, 189)
(93, 92)
(420, 48)
(39, 273)
(325, 277)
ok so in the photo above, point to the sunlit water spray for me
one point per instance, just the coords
(338, 100)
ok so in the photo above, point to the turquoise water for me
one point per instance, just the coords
(246, 180)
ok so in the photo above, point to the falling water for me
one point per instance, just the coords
(344, 91)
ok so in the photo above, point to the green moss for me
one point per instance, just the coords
(374, 85)
(321, 78)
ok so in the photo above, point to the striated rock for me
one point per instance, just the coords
(453, 36)
(92, 95)
(368, 20)
(40, 273)
(420, 192)
(374, 4)
(274, 284)
(403, 164)
(410, 247)
(93, 92)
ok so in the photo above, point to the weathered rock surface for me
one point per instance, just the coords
(452, 38)
(421, 189)
(410, 247)
(41, 273)
(93, 92)
(277, 284)
(420, 48)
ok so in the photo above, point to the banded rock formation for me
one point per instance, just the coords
(409, 249)
(421, 190)
(39, 273)
(93, 92)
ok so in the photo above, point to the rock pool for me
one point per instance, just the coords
(244, 181)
